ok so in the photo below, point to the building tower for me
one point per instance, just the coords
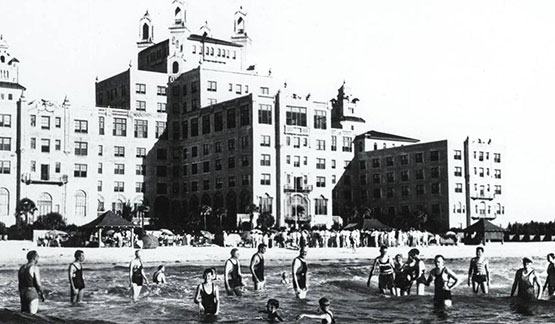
(240, 35)
(344, 111)
(146, 32)
(178, 36)
(9, 67)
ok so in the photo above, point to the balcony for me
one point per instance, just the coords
(303, 188)
(296, 130)
(482, 195)
(483, 216)
(33, 178)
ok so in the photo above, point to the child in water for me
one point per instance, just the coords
(326, 316)
(444, 281)
(271, 310)
(208, 296)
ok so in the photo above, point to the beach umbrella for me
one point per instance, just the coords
(207, 235)
(167, 232)
(450, 233)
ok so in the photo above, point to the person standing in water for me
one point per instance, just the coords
(137, 275)
(76, 281)
(441, 276)
(208, 296)
(257, 267)
(550, 280)
(526, 280)
(417, 271)
(299, 273)
(233, 278)
(385, 267)
(326, 316)
(159, 277)
(29, 284)
(478, 272)
(401, 282)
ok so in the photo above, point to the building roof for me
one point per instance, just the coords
(353, 119)
(201, 38)
(11, 85)
(388, 137)
(482, 226)
(108, 219)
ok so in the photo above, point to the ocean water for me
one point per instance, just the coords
(343, 282)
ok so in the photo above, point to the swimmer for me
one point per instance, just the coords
(550, 281)
(417, 270)
(159, 277)
(326, 316)
(402, 281)
(257, 267)
(271, 310)
(441, 276)
(136, 275)
(526, 280)
(76, 281)
(478, 272)
(233, 278)
(29, 284)
(208, 296)
(385, 277)
(284, 278)
(299, 273)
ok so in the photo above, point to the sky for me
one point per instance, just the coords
(431, 70)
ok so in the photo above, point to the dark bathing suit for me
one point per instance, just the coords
(325, 321)
(441, 293)
(208, 301)
(259, 268)
(551, 278)
(525, 287)
(27, 287)
(301, 275)
(385, 278)
(78, 281)
(235, 279)
(401, 280)
(137, 277)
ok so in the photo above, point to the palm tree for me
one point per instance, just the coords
(251, 209)
(205, 211)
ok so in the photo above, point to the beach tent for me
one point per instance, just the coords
(375, 225)
(483, 231)
(109, 220)
(351, 226)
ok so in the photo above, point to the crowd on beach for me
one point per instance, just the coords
(396, 277)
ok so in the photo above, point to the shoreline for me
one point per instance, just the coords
(13, 253)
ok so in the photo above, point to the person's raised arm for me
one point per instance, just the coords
(453, 276)
(515, 282)
(254, 261)
(371, 272)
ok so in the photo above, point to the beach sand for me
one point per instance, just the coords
(12, 253)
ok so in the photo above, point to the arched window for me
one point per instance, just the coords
(146, 32)
(44, 204)
(80, 204)
(2, 59)
(4, 202)
(175, 67)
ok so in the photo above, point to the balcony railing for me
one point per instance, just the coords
(482, 196)
(303, 188)
(34, 178)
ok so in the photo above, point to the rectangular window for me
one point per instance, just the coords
(120, 127)
(244, 160)
(434, 156)
(265, 179)
(141, 128)
(45, 145)
(5, 167)
(33, 120)
(376, 178)
(139, 187)
(100, 168)
(404, 159)
(334, 143)
(296, 161)
(265, 160)
(419, 174)
(81, 148)
(212, 86)
(244, 116)
(376, 163)
(458, 155)
(80, 171)
(140, 152)
(434, 172)
(218, 164)
(206, 166)
(419, 190)
(58, 167)
(458, 171)
(320, 120)
(320, 163)
(100, 150)
(140, 169)
(81, 126)
(160, 129)
(206, 124)
(119, 186)
(231, 163)
(140, 88)
(347, 144)
(320, 145)
(390, 176)
(497, 157)
(497, 189)
(6, 144)
(57, 145)
(58, 122)
(404, 176)
(99, 185)
(295, 116)
(320, 206)
(405, 191)
(119, 151)
(419, 157)
(458, 187)
(119, 168)
(265, 141)
(497, 174)
(140, 105)
(231, 144)
(194, 87)
(435, 188)
(45, 122)
(161, 91)
(245, 179)
(264, 90)
(161, 107)
(101, 125)
(265, 114)
(231, 182)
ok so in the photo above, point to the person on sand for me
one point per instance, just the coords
(159, 277)
(550, 280)
(137, 275)
(401, 282)
(526, 280)
(257, 267)
(29, 284)
(208, 296)
(299, 273)
(417, 271)
(271, 310)
(233, 278)
(326, 316)
(385, 266)
(441, 276)
(76, 281)
(478, 272)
